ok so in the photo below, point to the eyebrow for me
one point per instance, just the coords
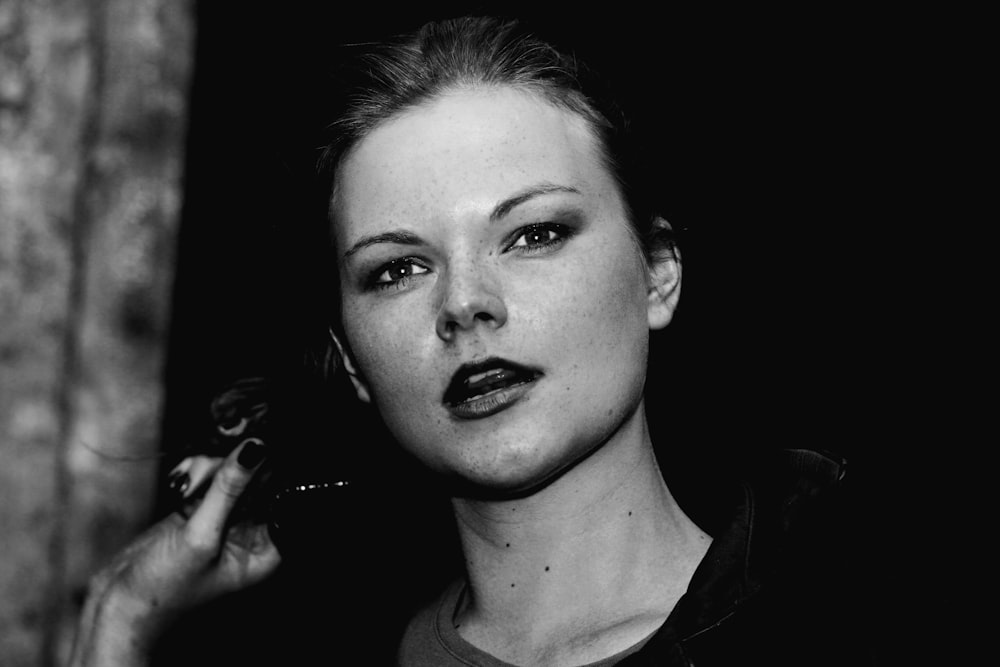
(507, 205)
(403, 237)
(400, 237)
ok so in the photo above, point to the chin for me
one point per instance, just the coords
(509, 473)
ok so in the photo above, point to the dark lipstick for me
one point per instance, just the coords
(486, 387)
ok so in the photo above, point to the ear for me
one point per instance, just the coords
(664, 276)
(359, 384)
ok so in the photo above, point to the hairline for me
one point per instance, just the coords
(568, 100)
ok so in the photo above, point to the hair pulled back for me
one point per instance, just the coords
(387, 78)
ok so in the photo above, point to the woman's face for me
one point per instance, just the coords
(495, 304)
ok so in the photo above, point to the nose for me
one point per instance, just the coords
(471, 299)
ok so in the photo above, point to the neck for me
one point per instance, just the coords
(583, 568)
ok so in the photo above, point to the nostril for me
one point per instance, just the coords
(449, 326)
(468, 304)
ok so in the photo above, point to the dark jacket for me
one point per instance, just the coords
(781, 583)
(785, 582)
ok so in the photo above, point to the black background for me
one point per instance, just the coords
(792, 144)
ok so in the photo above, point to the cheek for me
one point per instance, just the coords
(600, 307)
(383, 347)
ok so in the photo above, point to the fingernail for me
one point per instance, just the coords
(252, 453)
(179, 482)
(234, 427)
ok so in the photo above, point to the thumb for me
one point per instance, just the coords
(207, 524)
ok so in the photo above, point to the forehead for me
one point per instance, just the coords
(463, 152)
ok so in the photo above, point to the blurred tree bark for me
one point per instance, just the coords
(93, 110)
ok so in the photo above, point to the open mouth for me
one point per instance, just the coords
(486, 387)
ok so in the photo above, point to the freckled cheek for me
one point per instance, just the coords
(592, 308)
(386, 349)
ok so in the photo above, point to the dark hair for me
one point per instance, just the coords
(387, 78)
(379, 80)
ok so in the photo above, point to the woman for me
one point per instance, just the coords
(500, 269)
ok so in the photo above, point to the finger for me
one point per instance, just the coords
(179, 479)
(264, 559)
(248, 558)
(191, 475)
(208, 522)
(190, 479)
(233, 429)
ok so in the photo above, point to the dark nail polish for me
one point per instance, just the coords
(252, 453)
(179, 482)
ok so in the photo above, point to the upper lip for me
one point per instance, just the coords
(469, 380)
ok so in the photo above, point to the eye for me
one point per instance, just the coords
(397, 272)
(538, 237)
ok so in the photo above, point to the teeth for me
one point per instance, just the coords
(482, 383)
(473, 379)
(485, 382)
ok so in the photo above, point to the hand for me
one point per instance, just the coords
(176, 565)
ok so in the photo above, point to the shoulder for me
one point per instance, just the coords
(784, 582)
(795, 492)
(806, 561)
(419, 638)
(422, 643)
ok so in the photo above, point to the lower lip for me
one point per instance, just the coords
(490, 404)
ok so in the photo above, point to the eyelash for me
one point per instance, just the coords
(377, 284)
(562, 233)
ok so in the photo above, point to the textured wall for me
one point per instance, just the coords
(93, 98)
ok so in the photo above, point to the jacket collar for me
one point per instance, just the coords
(767, 507)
